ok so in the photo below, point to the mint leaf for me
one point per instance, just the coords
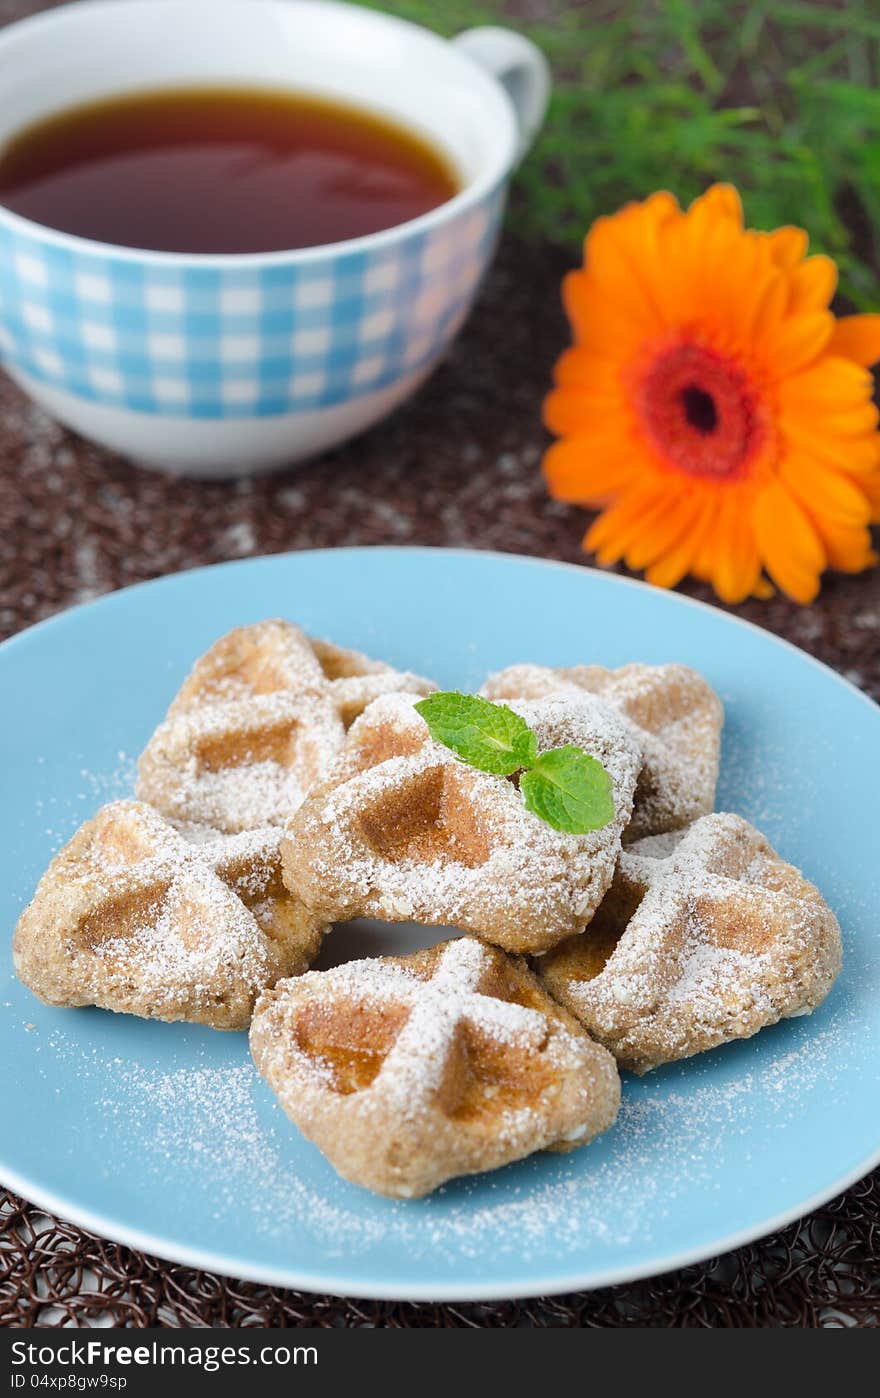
(569, 790)
(566, 787)
(488, 736)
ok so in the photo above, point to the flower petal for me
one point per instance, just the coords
(788, 246)
(788, 543)
(857, 455)
(860, 421)
(871, 486)
(610, 535)
(578, 471)
(601, 321)
(718, 201)
(582, 368)
(824, 492)
(813, 284)
(847, 547)
(662, 528)
(622, 255)
(713, 280)
(677, 559)
(727, 556)
(736, 569)
(577, 409)
(858, 338)
(832, 381)
(797, 342)
(769, 307)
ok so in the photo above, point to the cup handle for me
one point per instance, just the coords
(521, 69)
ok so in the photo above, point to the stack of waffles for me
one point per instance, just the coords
(294, 785)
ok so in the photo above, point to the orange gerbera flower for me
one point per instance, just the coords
(712, 406)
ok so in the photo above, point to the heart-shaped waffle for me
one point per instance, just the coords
(256, 723)
(402, 830)
(707, 935)
(133, 916)
(672, 713)
(407, 1071)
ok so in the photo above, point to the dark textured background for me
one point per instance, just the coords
(456, 467)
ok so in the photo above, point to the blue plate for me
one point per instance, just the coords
(164, 1137)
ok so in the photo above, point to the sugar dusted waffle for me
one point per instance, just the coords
(400, 829)
(673, 715)
(256, 723)
(407, 1071)
(706, 936)
(133, 916)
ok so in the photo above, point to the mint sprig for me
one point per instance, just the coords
(488, 736)
(565, 787)
(570, 790)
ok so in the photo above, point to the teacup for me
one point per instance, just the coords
(214, 365)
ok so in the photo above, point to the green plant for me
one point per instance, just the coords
(779, 98)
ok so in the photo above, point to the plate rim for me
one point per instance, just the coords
(518, 1288)
(107, 599)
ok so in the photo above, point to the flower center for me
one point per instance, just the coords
(701, 412)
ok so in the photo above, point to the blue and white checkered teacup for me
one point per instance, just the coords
(213, 365)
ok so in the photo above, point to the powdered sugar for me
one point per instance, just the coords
(93, 788)
(714, 937)
(132, 915)
(244, 1173)
(207, 764)
(402, 829)
(435, 1008)
(201, 927)
(707, 969)
(409, 1072)
(255, 725)
(671, 714)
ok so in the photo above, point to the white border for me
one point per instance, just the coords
(518, 1288)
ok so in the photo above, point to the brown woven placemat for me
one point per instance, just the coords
(458, 467)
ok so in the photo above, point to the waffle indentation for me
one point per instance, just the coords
(430, 818)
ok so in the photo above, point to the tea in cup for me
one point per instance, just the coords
(234, 233)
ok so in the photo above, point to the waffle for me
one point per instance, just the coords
(133, 916)
(401, 830)
(256, 723)
(706, 936)
(673, 715)
(407, 1071)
